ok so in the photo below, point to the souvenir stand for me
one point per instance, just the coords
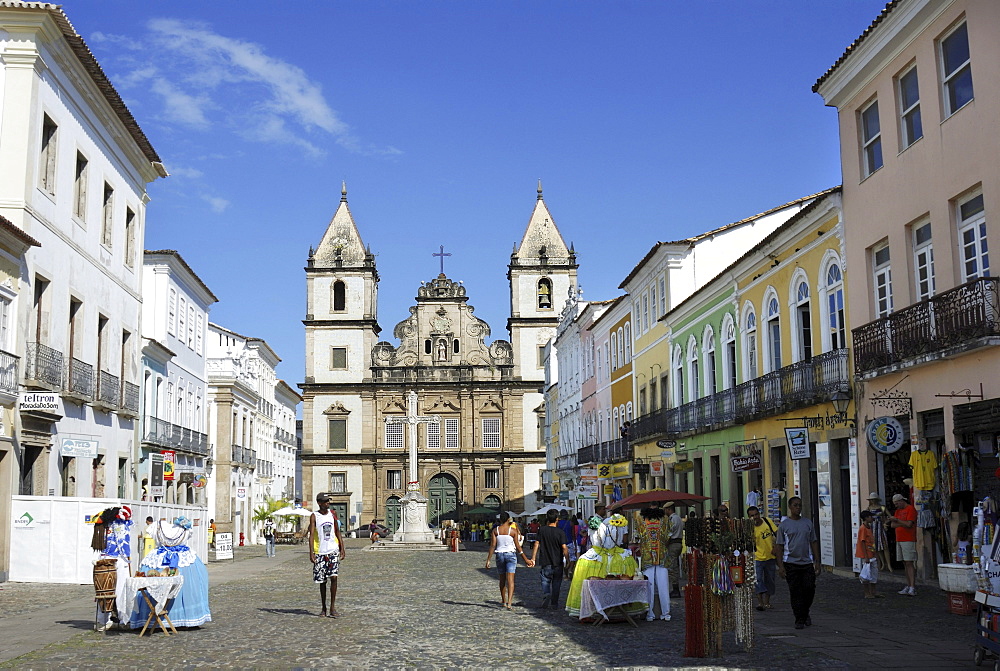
(986, 563)
(719, 596)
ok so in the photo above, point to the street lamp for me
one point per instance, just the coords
(841, 401)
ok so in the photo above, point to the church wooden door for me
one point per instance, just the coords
(392, 518)
(443, 495)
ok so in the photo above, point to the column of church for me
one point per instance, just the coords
(224, 462)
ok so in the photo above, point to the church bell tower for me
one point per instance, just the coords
(542, 274)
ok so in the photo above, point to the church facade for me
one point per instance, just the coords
(487, 447)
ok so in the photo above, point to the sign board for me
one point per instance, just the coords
(604, 471)
(75, 447)
(666, 444)
(609, 490)
(37, 400)
(797, 438)
(241, 493)
(683, 466)
(23, 521)
(200, 480)
(824, 479)
(169, 462)
(656, 468)
(622, 469)
(669, 456)
(186, 478)
(156, 487)
(750, 462)
(588, 472)
(587, 487)
(224, 546)
(885, 434)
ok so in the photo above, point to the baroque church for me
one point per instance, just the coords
(486, 449)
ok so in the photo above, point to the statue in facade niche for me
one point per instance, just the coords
(442, 351)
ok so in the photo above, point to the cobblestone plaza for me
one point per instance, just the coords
(441, 609)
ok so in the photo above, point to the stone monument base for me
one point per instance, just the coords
(413, 534)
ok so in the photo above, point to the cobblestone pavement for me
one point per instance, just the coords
(441, 609)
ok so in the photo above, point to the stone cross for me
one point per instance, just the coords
(442, 254)
(411, 419)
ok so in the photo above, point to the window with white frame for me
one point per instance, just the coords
(181, 319)
(871, 140)
(491, 478)
(729, 329)
(80, 187)
(628, 343)
(628, 411)
(694, 370)
(711, 380)
(393, 479)
(836, 320)
(190, 331)
(774, 333)
(663, 296)
(107, 215)
(172, 311)
(750, 344)
(652, 304)
(47, 156)
(491, 433)
(972, 238)
(451, 433)
(678, 366)
(338, 483)
(910, 127)
(5, 303)
(394, 436)
(129, 237)
(803, 322)
(923, 261)
(645, 312)
(433, 434)
(614, 351)
(956, 69)
(338, 358)
(199, 335)
(882, 281)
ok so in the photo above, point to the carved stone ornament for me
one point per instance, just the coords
(337, 409)
(441, 404)
(441, 287)
(441, 323)
(394, 404)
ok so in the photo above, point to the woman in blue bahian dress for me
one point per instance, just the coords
(190, 608)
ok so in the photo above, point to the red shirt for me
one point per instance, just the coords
(866, 541)
(909, 514)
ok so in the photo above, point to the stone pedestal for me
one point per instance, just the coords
(414, 528)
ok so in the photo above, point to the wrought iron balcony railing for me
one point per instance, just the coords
(8, 372)
(609, 452)
(953, 318)
(80, 379)
(130, 398)
(165, 434)
(245, 455)
(798, 385)
(108, 389)
(42, 364)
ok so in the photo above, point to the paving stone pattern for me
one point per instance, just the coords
(442, 609)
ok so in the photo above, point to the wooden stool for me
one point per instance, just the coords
(154, 614)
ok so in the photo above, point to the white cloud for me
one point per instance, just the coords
(217, 204)
(179, 106)
(184, 171)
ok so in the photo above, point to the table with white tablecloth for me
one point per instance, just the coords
(602, 596)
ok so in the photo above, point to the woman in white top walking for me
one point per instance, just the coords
(506, 544)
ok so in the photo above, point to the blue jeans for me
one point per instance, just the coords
(552, 577)
(269, 546)
(506, 562)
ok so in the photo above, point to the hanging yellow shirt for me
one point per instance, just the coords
(924, 465)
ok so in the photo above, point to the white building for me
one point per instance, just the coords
(175, 311)
(286, 402)
(74, 165)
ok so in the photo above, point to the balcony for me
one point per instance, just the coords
(796, 386)
(130, 399)
(79, 381)
(8, 373)
(609, 452)
(164, 434)
(282, 436)
(43, 367)
(949, 323)
(244, 455)
(108, 392)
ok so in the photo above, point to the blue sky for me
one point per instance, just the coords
(646, 121)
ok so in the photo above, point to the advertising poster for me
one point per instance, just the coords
(76, 447)
(224, 546)
(797, 438)
(169, 462)
(156, 486)
(825, 496)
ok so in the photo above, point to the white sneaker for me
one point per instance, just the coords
(650, 618)
(904, 591)
(913, 591)
(665, 617)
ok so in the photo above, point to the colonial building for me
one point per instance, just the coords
(486, 448)
(917, 97)
(175, 309)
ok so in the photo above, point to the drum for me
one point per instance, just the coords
(105, 579)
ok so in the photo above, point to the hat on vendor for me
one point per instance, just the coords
(125, 513)
(669, 504)
(873, 496)
(898, 497)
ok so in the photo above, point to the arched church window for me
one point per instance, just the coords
(339, 296)
(455, 346)
(427, 346)
(544, 293)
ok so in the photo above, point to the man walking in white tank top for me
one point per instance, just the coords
(326, 551)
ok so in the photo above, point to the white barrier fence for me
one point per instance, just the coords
(50, 539)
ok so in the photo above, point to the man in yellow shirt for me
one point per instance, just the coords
(764, 561)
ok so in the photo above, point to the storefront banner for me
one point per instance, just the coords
(604, 471)
(656, 468)
(586, 491)
(609, 489)
(797, 438)
(683, 466)
(750, 462)
(666, 444)
(169, 463)
(75, 447)
(40, 401)
(621, 470)
(825, 497)
(588, 472)
(852, 465)
(156, 487)
(669, 456)
(885, 434)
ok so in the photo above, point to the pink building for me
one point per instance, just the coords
(918, 100)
